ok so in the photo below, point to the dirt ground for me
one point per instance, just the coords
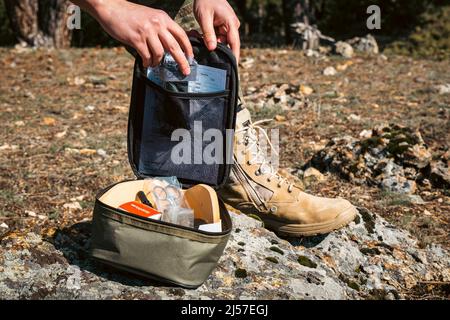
(64, 122)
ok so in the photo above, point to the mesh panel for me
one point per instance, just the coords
(163, 114)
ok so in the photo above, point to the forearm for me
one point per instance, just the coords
(94, 7)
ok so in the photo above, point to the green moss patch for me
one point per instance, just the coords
(272, 259)
(277, 250)
(305, 261)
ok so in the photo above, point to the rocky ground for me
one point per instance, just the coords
(370, 259)
(64, 116)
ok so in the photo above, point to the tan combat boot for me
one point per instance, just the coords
(254, 187)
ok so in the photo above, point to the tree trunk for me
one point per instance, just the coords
(287, 20)
(40, 23)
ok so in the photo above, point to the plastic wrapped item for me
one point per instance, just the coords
(167, 197)
(167, 194)
(164, 192)
(180, 216)
(168, 75)
(202, 79)
(169, 71)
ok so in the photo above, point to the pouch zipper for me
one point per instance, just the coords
(149, 221)
(248, 187)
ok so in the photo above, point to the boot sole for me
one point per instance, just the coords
(313, 229)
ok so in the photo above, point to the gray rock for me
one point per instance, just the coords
(368, 259)
(440, 174)
(392, 157)
(312, 53)
(329, 71)
(367, 44)
(416, 199)
(393, 179)
(286, 96)
(442, 88)
(344, 49)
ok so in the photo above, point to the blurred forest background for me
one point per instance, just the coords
(368, 126)
(418, 27)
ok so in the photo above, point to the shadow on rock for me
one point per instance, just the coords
(308, 242)
(74, 242)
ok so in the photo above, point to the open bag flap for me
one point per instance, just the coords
(155, 113)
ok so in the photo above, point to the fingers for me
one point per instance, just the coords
(182, 38)
(234, 40)
(144, 52)
(207, 24)
(172, 46)
(222, 39)
(221, 34)
(156, 33)
(156, 49)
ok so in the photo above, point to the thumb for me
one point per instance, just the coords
(207, 24)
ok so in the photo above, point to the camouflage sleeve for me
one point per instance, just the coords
(179, 10)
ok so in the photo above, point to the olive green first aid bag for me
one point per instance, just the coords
(156, 249)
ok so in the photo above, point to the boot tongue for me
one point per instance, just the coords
(243, 118)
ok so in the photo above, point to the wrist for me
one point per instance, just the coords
(98, 8)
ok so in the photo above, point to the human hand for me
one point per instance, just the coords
(150, 31)
(219, 23)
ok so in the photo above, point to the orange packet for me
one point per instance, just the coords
(139, 209)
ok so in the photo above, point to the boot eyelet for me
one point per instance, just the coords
(273, 209)
(249, 163)
(268, 180)
(257, 173)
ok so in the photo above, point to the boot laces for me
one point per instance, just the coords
(253, 145)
